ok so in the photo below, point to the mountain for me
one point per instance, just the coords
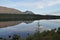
(28, 12)
(9, 10)
(12, 11)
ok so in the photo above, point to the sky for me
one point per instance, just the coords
(36, 6)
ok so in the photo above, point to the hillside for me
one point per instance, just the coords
(9, 10)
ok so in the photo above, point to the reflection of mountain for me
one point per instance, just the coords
(27, 22)
(12, 23)
(9, 23)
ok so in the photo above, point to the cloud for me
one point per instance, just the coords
(47, 3)
(38, 4)
(54, 13)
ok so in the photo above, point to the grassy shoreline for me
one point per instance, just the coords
(17, 17)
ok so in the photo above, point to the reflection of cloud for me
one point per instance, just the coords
(21, 28)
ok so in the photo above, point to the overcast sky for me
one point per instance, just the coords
(36, 6)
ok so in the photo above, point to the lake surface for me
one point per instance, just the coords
(24, 27)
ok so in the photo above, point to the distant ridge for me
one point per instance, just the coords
(13, 11)
(28, 12)
(9, 10)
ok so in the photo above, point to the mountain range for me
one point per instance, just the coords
(13, 11)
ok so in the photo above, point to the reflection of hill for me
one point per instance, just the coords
(27, 22)
(9, 23)
(12, 23)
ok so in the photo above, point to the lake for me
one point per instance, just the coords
(24, 27)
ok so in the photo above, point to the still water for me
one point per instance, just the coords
(23, 27)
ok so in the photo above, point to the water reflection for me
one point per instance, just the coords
(12, 23)
(20, 27)
(8, 23)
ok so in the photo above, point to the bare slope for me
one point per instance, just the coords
(9, 10)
